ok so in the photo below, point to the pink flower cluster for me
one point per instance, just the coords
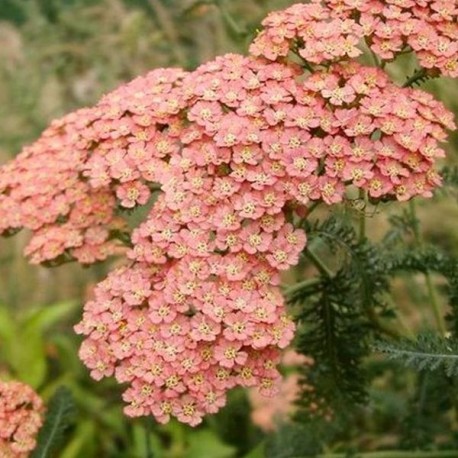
(236, 146)
(330, 31)
(42, 190)
(21, 417)
(313, 30)
(238, 149)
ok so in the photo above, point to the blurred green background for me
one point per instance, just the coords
(58, 55)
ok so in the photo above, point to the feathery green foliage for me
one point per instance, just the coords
(58, 418)
(402, 225)
(420, 76)
(427, 352)
(336, 315)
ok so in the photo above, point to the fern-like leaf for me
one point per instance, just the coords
(428, 352)
(336, 317)
(58, 418)
(420, 76)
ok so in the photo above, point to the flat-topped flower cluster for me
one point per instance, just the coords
(325, 31)
(21, 417)
(231, 156)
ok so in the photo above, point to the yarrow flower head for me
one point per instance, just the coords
(429, 28)
(234, 153)
(325, 31)
(198, 310)
(45, 189)
(21, 417)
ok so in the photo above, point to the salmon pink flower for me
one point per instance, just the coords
(21, 417)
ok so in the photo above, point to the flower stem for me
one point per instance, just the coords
(432, 296)
(406, 331)
(435, 304)
(148, 431)
(318, 263)
(307, 66)
(312, 207)
(380, 325)
(302, 285)
(372, 53)
(362, 216)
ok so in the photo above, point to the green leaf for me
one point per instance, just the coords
(428, 352)
(83, 441)
(23, 349)
(66, 355)
(45, 317)
(27, 351)
(233, 424)
(450, 176)
(429, 259)
(58, 418)
(28, 356)
(7, 330)
(141, 436)
(337, 314)
(206, 444)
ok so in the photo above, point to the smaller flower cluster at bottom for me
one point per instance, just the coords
(21, 417)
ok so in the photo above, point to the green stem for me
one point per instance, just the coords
(372, 53)
(362, 216)
(307, 66)
(435, 304)
(312, 207)
(415, 222)
(305, 284)
(148, 431)
(153, 187)
(406, 331)
(178, 441)
(406, 50)
(394, 454)
(319, 264)
(432, 296)
(380, 325)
